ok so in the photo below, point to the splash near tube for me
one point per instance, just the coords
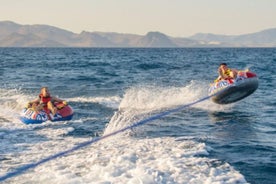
(30, 116)
(233, 90)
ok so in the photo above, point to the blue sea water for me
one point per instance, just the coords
(111, 88)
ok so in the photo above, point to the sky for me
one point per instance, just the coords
(178, 18)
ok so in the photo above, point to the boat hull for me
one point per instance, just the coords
(227, 91)
(30, 116)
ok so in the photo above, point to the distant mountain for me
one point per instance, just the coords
(266, 38)
(155, 39)
(16, 35)
(27, 40)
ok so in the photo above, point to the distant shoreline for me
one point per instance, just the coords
(44, 36)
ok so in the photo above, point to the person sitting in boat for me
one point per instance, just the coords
(226, 73)
(45, 102)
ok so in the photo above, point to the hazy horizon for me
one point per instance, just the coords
(177, 18)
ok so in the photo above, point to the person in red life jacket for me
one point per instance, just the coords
(226, 73)
(45, 102)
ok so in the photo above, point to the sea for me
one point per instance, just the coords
(114, 88)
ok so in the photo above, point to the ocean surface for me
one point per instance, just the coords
(110, 89)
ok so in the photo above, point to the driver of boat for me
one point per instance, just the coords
(45, 102)
(226, 73)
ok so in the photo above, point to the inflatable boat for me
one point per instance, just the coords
(30, 116)
(232, 90)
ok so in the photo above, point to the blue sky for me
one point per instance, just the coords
(179, 18)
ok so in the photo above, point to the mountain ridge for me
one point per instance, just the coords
(39, 35)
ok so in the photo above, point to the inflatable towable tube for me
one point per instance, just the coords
(232, 90)
(30, 116)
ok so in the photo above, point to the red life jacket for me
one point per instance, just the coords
(44, 100)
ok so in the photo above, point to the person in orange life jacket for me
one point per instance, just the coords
(226, 73)
(45, 102)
